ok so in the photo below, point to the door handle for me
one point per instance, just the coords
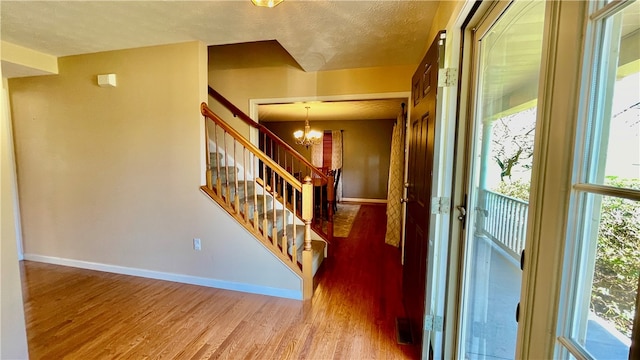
(406, 185)
(463, 212)
(404, 200)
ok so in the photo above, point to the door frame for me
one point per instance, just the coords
(441, 281)
(533, 337)
(558, 98)
(476, 15)
(255, 103)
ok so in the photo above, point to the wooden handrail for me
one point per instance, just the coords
(234, 110)
(273, 145)
(244, 117)
(288, 177)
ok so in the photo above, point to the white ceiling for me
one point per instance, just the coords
(319, 35)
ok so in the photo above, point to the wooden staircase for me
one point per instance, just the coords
(276, 206)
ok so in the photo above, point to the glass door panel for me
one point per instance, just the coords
(506, 87)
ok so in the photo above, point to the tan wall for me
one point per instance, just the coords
(241, 85)
(446, 10)
(13, 336)
(278, 78)
(275, 76)
(112, 175)
(365, 80)
(366, 151)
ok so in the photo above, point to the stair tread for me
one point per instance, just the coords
(299, 235)
(318, 246)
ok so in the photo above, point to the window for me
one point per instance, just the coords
(602, 257)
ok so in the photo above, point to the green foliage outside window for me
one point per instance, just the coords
(518, 189)
(615, 279)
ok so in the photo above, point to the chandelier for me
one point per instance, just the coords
(307, 136)
(266, 3)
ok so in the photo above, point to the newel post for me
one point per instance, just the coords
(307, 254)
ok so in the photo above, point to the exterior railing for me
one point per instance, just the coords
(504, 221)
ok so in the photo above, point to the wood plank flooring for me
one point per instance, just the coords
(81, 314)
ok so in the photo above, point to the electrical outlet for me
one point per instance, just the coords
(196, 244)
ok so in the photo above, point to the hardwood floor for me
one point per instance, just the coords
(81, 314)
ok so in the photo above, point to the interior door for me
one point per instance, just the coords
(421, 141)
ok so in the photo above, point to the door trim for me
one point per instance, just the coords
(476, 15)
(254, 103)
(551, 178)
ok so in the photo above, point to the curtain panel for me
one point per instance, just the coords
(395, 187)
(328, 154)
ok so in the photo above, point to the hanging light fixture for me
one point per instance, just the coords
(266, 3)
(307, 136)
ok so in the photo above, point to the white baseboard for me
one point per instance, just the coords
(375, 201)
(158, 275)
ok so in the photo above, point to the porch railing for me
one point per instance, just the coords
(504, 221)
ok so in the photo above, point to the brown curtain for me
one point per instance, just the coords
(328, 154)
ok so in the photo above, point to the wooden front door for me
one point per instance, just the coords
(421, 139)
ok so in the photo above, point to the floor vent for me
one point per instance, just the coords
(403, 331)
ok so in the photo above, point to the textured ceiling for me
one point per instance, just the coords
(319, 35)
(315, 35)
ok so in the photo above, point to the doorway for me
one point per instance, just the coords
(505, 56)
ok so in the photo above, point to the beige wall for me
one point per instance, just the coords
(241, 85)
(13, 336)
(271, 74)
(366, 151)
(276, 77)
(365, 80)
(112, 175)
(446, 11)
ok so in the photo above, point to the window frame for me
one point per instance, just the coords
(587, 188)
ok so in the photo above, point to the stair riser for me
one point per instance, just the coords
(261, 214)
(278, 221)
(240, 191)
(223, 175)
(260, 208)
(318, 256)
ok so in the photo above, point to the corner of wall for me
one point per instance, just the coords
(143, 148)
(203, 75)
(20, 61)
(13, 336)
